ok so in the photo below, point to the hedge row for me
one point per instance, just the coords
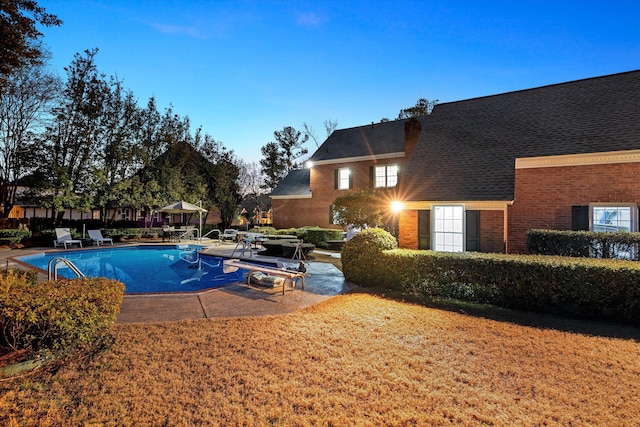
(588, 288)
(13, 237)
(314, 235)
(58, 317)
(622, 245)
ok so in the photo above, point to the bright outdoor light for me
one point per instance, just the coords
(396, 206)
(309, 164)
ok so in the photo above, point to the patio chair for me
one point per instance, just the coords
(96, 236)
(63, 238)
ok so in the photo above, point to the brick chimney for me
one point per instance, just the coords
(412, 130)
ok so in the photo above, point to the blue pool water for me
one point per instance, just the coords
(145, 269)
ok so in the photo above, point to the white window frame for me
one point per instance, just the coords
(448, 229)
(613, 224)
(344, 175)
(124, 214)
(385, 176)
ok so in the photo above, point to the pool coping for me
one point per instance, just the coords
(232, 300)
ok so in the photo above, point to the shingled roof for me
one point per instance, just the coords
(295, 184)
(467, 149)
(370, 140)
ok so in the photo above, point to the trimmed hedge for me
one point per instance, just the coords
(584, 244)
(58, 317)
(587, 288)
(602, 289)
(361, 256)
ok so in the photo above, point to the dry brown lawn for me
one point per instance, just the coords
(355, 360)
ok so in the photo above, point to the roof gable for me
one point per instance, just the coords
(363, 141)
(467, 149)
(297, 183)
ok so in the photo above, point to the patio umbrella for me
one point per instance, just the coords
(184, 207)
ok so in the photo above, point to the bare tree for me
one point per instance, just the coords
(24, 106)
(309, 131)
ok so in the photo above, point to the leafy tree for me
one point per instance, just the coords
(280, 156)
(223, 177)
(115, 161)
(24, 106)
(70, 145)
(19, 35)
(363, 209)
(272, 166)
(422, 107)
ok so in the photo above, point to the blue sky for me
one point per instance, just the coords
(244, 69)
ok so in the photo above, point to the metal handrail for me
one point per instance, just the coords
(52, 268)
(215, 230)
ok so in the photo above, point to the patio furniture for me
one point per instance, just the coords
(63, 238)
(96, 236)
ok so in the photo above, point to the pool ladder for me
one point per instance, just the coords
(52, 268)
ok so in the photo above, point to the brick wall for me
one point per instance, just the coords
(544, 196)
(492, 231)
(315, 211)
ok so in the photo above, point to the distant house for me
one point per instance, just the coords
(484, 171)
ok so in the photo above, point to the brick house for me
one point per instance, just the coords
(484, 171)
(358, 158)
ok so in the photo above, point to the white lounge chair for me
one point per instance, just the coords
(96, 236)
(63, 238)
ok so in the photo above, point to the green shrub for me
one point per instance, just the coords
(117, 234)
(584, 244)
(361, 256)
(579, 287)
(60, 317)
(268, 231)
(13, 237)
(320, 236)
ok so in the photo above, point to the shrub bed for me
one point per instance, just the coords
(57, 318)
(584, 244)
(13, 237)
(580, 287)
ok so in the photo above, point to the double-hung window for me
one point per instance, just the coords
(343, 179)
(448, 228)
(385, 176)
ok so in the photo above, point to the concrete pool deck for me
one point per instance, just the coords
(233, 300)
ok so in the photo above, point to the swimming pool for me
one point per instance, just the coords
(145, 269)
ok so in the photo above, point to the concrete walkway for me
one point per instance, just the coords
(233, 300)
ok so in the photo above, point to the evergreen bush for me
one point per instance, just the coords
(361, 256)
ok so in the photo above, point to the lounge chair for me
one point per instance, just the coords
(63, 238)
(96, 236)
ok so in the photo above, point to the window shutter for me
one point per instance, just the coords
(372, 176)
(335, 179)
(472, 231)
(350, 179)
(580, 218)
(424, 230)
